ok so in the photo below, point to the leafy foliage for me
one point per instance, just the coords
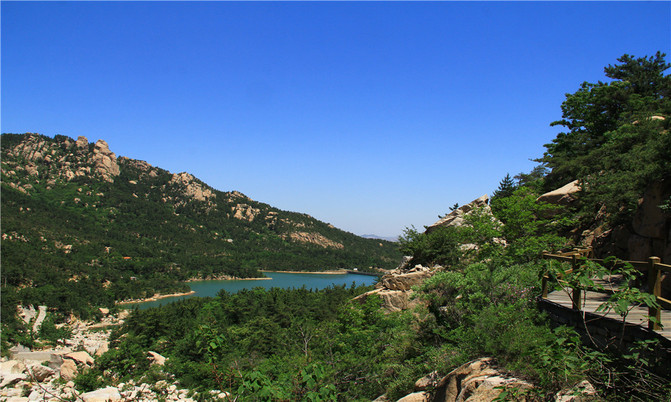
(616, 142)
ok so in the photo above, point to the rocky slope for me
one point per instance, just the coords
(48, 374)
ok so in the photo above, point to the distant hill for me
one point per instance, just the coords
(372, 236)
(79, 220)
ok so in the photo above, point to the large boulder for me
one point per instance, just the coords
(563, 195)
(102, 395)
(39, 372)
(155, 358)
(68, 370)
(477, 380)
(80, 358)
(405, 281)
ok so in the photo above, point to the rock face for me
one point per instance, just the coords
(245, 212)
(105, 161)
(191, 187)
(314, 238)
(649, 233)
(405, 281)
(457, 218)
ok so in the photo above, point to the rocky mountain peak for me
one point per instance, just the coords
(191, 187)
(105, 161)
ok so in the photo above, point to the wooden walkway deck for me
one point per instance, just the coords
(592, 300)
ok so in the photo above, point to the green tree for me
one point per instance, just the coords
(506, 188)
(638, 90)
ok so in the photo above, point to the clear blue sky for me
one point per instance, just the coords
(371, 116)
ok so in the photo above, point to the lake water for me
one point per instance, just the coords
(278, 280)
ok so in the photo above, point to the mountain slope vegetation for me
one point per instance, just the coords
(84, 228)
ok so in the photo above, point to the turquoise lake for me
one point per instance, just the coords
(278, 280)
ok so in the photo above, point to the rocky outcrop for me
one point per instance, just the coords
(564, 195)
(191, 188)
(105, 161)
(245, 212)
(395, 287)
(63, 159)
(405, 281)
(477, 380)
(314, 238)
(456, 217)
(155, 358)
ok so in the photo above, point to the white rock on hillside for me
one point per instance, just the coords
(80, 358)
(563, 195)
(102, 395)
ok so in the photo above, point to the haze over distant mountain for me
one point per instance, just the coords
(373, 236)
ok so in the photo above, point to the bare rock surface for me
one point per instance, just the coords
(563, 195)
(107, 394)
(155, 358)
(456, 217)
(80, 358)
(395, 287)
(478, 380)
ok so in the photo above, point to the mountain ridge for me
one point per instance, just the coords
(79, 206)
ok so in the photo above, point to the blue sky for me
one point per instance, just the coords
(372, 116)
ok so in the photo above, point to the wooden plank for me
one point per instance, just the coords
(592, 300)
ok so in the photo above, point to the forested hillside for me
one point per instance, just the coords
(81, 227)
(480, 272)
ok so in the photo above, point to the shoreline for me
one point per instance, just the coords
(155, 297)
(336, 272)
(228, 278)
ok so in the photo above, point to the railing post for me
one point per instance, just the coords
(577, 293)
(655, 288)
(544, 287)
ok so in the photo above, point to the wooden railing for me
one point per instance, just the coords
(653, 267)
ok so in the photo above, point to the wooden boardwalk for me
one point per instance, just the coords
(588, 301)
(592, 300)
